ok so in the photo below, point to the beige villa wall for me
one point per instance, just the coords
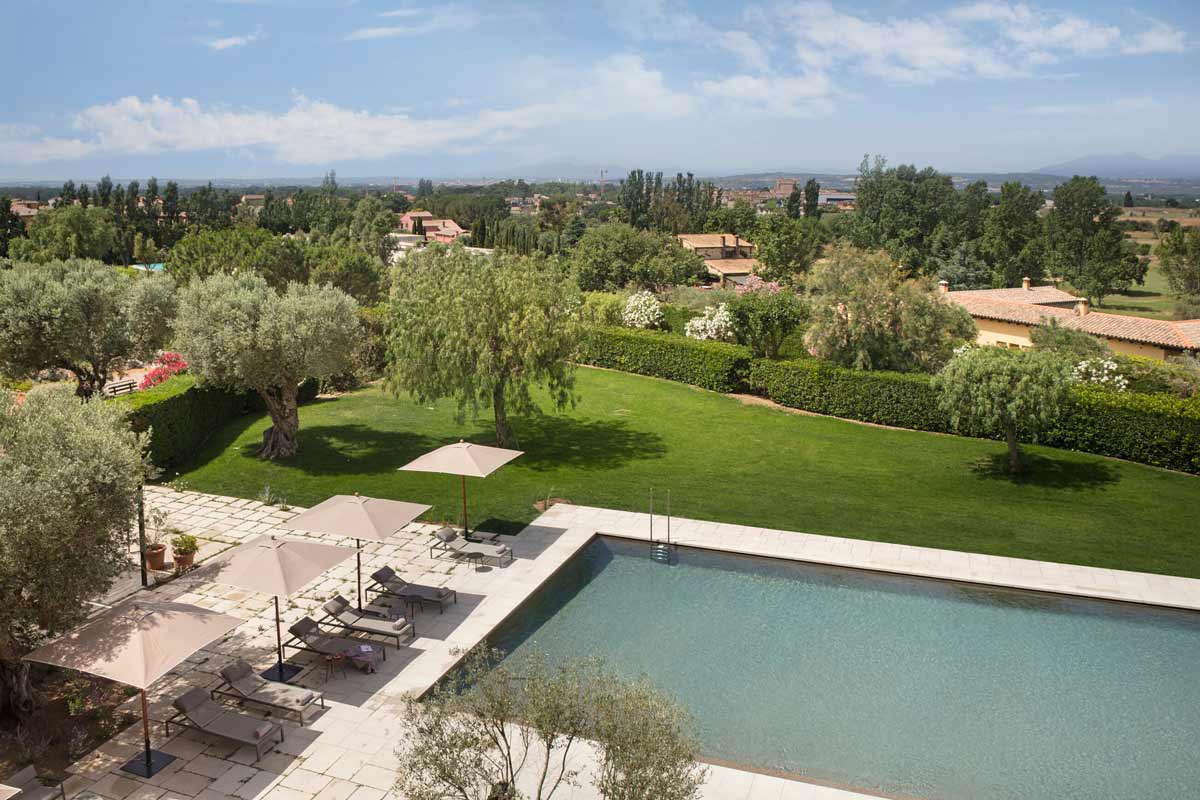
(1014, 334)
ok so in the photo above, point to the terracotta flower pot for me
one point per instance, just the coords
(156, 556)
(183, 562)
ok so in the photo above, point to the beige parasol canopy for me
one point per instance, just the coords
(367, 518)
(136, 644)
(276, 566)
(466, 459)
(8, 791)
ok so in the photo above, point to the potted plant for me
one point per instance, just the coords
(184, 546)
(156, 551)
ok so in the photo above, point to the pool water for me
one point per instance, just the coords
(889, 684)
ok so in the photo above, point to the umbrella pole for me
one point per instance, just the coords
(146, 734)
(278, 640)
(466, 530)
(358, 558)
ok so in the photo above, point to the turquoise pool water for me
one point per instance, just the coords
(904, 686)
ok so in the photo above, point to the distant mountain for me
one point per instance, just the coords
(1129, 165)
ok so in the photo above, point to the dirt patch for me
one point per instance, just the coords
(542, 505)
(75, 715)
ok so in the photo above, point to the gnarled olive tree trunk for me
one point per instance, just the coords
(16, 694)
(279, 440)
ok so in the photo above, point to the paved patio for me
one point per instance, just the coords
(347, 752)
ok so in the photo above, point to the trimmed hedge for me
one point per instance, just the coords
(1157, 429)
(181, 415)
(902, 400)
(1153, 429)
(710, 365)
(676, 318)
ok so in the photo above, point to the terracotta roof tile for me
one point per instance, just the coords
(1183, 335)
(1034, 294)
(731, 266)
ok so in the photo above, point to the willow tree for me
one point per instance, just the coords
(236, 331)
(69, 478)
(994, 391)
(483, 331)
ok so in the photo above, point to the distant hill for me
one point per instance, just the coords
(1129, 165)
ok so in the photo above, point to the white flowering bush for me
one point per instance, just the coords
(1101, 372)
(642, 310)
(716, 324)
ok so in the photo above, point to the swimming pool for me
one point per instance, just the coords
(889, 684)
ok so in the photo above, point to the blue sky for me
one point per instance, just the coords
(275, 88)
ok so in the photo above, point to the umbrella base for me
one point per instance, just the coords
(137, 765)
(289, 671)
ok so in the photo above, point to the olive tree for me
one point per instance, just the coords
(483, 331)
(236, 331)
(70, 473)
(1015, 394)
(81, 316)
(492, 728)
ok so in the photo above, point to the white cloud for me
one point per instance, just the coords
(671, 21)
(807, 95)
(1122, 105)
(989, 39)
(227, 42)
(436, 19)
(316, 131)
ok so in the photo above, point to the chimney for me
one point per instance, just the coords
(1082, 306)
(1026, 284)
(944, 286)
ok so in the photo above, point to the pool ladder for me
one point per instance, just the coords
(661, 550)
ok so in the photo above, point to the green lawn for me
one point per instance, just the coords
(722, 460)
(1152, 299)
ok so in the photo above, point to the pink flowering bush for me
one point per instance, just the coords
(165, 366)
(757, 284)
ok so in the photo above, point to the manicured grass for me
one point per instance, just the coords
(1152, 299)
(722, 460)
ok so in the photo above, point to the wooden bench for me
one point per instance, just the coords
(114, 388)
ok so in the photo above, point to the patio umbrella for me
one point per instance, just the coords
(136, 644)
(465, 459)
(278, 567)
(361, 517)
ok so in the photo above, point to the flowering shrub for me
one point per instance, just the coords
(1102, 372)
(642, 311)
(757, 284)
(715, 324)
(165, 366)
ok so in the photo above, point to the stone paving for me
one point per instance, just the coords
(347, 752)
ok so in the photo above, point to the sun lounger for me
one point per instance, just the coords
(386, 581)
(339, 612)
(308, 636)
(239, 681)
(447, 540)
(195, 710)
(26, 785)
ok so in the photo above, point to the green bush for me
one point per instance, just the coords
(181, 415)
(1156, 429)
(676, 317)
(903, 400)
(711, 365)
(603, 308)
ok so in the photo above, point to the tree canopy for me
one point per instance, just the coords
(483, 331)
(1012, 242)
(71, 473)
(67, 232)
(237, 331)
(786, 247)
(992, 391)
(81, 316)
(867, 315)
(616, 255)
(1179, 257)
(1086, 246)
(205, 252)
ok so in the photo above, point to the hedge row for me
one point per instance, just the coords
(181, 415)
(1157, 429)
(711, 365)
